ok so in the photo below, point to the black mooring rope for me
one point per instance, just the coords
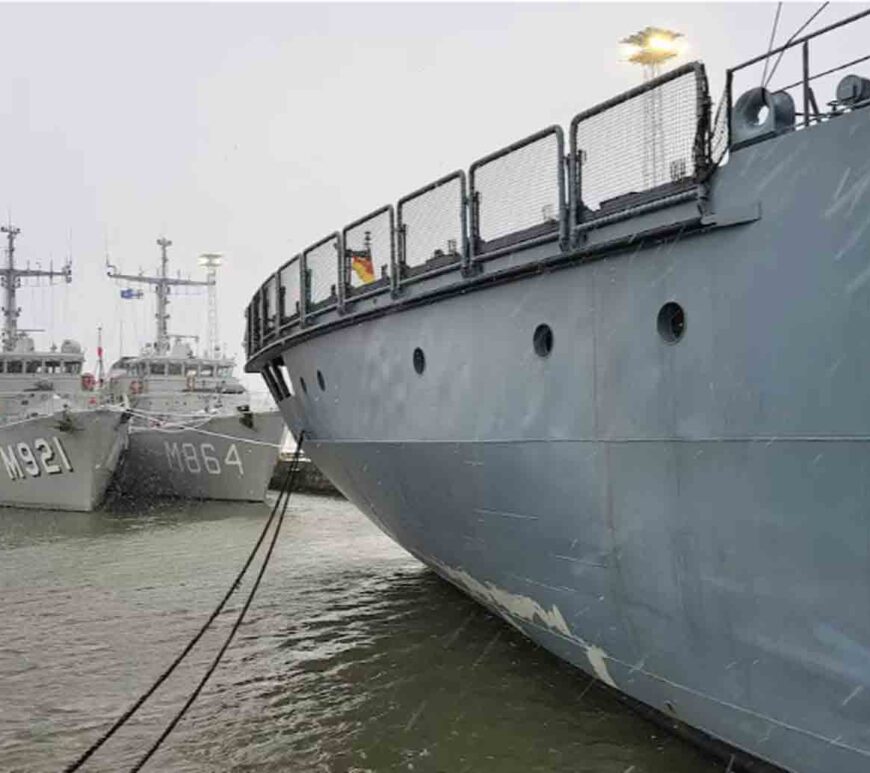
(284, 491)
(217, 659)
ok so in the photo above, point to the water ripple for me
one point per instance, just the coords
(353, 658)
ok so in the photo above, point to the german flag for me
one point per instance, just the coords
(361, 263)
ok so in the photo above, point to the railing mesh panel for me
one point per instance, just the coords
(368, 250)
(322, 263)
(639, 144)
(290, 288)
(255, 317)
(270, 301)
(432, 223)
(249, 330)
(519, 190)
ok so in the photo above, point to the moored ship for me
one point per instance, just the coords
(194, 433)
(59, 446)
(618, 395)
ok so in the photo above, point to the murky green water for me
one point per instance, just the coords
(354, 656)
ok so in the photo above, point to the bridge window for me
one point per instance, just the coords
(72, 368)
(52, 366)
(206, 370)
(14, 366)
(158, 368)
(34, 366)
(174, 369)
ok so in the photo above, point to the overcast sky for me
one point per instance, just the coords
(254, 130)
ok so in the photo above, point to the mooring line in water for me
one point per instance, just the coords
(241, 616)
(284, 492)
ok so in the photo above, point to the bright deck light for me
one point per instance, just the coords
(652, 46)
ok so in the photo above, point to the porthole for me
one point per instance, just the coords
(419, 361)
(542, 340)
(304, 385)
(671, 322)
(321, 381)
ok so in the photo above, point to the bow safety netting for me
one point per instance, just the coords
(653, 137)
(321, 263)
(431, 225)
(519, 189)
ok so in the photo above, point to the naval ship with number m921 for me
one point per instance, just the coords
(59, 445)
(194, 433)
(618, 393)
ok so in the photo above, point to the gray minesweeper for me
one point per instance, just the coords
(193, 431)
(59, 446)
(619, 392)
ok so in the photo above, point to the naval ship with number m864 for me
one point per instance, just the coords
(59, 445)
(194, 433)
(613, 383)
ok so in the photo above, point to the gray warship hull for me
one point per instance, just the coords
(220, 458)
(52, 463)
(680, 510)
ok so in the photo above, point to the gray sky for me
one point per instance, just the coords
(254, 130)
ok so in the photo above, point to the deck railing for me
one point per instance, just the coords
(651, 147)
(518, 193)
(648, 143)
(803, 67)
(432, 228)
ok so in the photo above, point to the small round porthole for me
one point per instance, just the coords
(542, 340)
(321, 381)
(671, 322)
(419, 361)
(304, 385)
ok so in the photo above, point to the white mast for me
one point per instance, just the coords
(212, 261)
(11, 281)
(162, 284)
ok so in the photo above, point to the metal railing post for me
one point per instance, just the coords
(341, 258)
(805, 51)
(729, 94)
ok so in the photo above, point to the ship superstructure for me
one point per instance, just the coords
(194, 432)
(628, 412)
(59, 446)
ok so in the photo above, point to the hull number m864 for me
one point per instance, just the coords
(201, 458)
(30, 460)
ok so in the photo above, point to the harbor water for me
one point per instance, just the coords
(354, 656)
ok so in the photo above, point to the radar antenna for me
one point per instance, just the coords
(162, 284)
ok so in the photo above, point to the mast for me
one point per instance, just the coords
(211, 261)
(11, 280)
(162, 284)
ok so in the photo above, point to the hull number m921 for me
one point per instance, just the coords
(193, 458)
(30, 460)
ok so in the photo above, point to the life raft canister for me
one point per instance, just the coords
(88, 382)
